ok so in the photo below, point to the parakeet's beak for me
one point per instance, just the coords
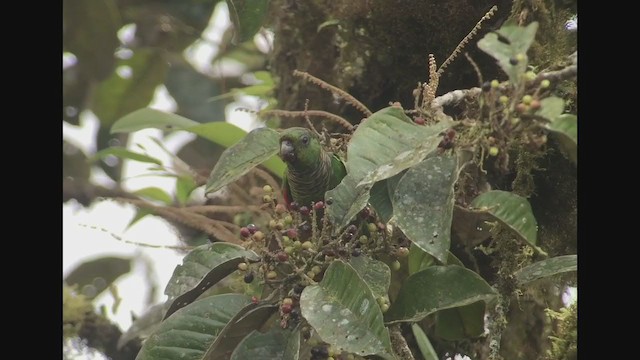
(287, 151)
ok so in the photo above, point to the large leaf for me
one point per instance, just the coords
(146, 118)
(259, 145)
(423, 204)
(375, 274)
(202, 268)
(551, 107)
(512, 210)
(437, 288)
(507, 42)
(145, 325)
(547, 267)
(381, 200)
(90, 33)
(188, 334)
(250, 318)
(226, 134)
(419, 259)
(427, 350)
(98, 274)
(118, 96)
(344, 312)
(123, 153)
(382, 146)
(565, 128)
(276, 344)
(247, 17)
(461, 322)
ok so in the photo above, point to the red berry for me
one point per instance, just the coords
(319, 205)
(419, 120)
(286, 308)
(292, 233)
(294, 206)
(304, 210)
(282, 256)
(280, 209)
(254, 299)
(244, 232)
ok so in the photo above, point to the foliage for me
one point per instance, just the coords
(334, 278)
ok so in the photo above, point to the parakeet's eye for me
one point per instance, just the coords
(305, 139)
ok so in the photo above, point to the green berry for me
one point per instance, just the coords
(258, 235)
(493, 151)
(530, 75)
(520, 57)
(288, 250)
(243, 266)
(307, 245)
(267, 199)
(288, 301)
(316, 269)
(527, 99)
(384, 308)
(272, 275)
(504, 99)
(272, 224)
(495, 83)
(363, 239)
(267, 189)
(395, 265)
(403, 251)
(545, 83)
(297, 244)
(286, 240)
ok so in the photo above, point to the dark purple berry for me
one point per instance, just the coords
(486, 86)
(244, 232)
(294, 206)
(356, 252)
(352, 229)
(329, 201)
(297, 288)
(252, 228)
(513, 61)
(248, 278)
(304, 210)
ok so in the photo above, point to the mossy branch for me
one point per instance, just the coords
(334, 90)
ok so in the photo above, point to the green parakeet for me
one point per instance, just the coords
(311, 170)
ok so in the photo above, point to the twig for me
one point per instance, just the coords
(141, 244)
(337, 91)
(286, 113)
(475, 67)
(217, 209)
(400, 346)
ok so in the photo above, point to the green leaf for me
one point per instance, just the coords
(419, 259)
(118, 96)
(512, 210)
(344, 312)
(247, 17)
(259, 145)
(145, 325)
(190, 331)
(547, 267)
(155, 193)
(87, 24)
(382, 146)
(423, 204)
(468, 226)
(140, 214)
(148, 118)
(202, 268)
(276, 344)
(381, 200)
(375, 274)
(95, 276)
(428, 353)
(550, 107)
(565, 129)
(518, 40)
(250, 318)
(184, 186)
(123, 153)
(437, 288)
(226, 134)
(461, 322)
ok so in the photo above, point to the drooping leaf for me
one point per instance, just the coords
(95, 276)
(189, 333)
(512, 210)
(247, 17)
(547, 267)
(461, 322)
(248, 319)
(87, 23)
(565, 128)
(259, 145)
(276, 344)
(507, 42)
(147, 118)
(117, 96)
(154, 193)
(427, 350)
(382, 146)
(551, 107)
(227, 134)
(123, 153)
(380, 200)
(344, 312)
(145, 325)
(437, 288)
(375, 274)
(423, 204)
(202, 268)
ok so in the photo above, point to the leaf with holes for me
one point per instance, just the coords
(437, 288)
(344, 312)
(202, 268)
(190, 331)
(423, 204)
(547, 267)
(512, 210)
(275, 344)
(259, 145)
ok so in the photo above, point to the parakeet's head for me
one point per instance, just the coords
(299, 147)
